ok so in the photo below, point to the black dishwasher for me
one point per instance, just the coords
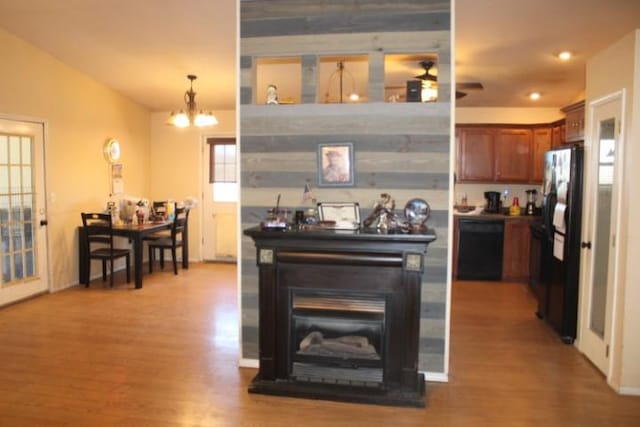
(480, 249)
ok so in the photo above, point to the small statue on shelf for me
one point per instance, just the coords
(272, 94)
(383, 216)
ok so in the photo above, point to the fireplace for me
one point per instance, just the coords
(339, 315)
(337, 338)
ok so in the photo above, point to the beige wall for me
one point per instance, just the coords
(604, 79)
(81, 115)
(176, 166)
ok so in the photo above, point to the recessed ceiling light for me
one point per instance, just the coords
(534, 96)
(564, 56)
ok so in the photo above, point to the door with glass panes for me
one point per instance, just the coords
(23, 237)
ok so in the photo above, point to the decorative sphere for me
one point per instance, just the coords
(417, 212)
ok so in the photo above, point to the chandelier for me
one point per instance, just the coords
(191, 116)
(342, 74)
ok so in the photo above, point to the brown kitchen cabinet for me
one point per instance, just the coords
(513, 155)
(496, 153)
(475, 154)
(517, 246)
(574, 122)
(558, 133)
(542, 138)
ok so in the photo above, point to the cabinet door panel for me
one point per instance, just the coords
(475, 154)
(541, 144)
(517, 244)
(513, 155)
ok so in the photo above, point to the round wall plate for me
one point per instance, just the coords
(112, 150)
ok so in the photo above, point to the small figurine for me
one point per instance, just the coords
(272, 94)
(383, 216)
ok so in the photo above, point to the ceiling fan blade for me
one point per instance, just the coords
(460, 94)
(469, 85)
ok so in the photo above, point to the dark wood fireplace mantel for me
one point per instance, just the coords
(355, 265)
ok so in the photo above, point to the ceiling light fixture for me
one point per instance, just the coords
(534, 96)
(192, 116)
(565, 55)
(340, 73)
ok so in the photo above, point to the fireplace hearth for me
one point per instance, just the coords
(339, 315)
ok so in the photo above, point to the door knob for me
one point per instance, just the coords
(585, 245)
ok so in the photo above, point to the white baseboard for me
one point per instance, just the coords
(249, 363)
(437, 377)
(629, 391)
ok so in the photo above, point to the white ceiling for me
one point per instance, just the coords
(145, 48)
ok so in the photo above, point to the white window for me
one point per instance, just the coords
(223, 169)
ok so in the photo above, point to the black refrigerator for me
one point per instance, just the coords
(560, 231)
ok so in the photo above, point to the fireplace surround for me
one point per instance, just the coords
(340, 315)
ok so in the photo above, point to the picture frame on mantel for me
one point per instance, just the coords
(336, 165)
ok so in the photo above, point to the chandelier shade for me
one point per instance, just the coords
(190, 116)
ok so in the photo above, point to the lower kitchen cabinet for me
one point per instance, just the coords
(517, 246)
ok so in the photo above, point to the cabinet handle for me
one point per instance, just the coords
(586, 245)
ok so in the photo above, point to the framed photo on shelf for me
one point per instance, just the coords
(335, 165)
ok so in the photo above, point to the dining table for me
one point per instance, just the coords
(136, 234)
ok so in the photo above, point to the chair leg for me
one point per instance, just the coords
(86, 285)
(151, 251)
(175, 262)
(111, 271)
(104, 270)
(162, 258)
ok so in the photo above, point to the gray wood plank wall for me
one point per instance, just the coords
(402, 149)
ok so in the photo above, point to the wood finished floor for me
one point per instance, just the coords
(167, 355)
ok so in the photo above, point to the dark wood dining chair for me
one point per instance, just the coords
(173, 242)
(99, 243)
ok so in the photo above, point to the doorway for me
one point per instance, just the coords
(220, 199)
(23, 243)
(601, 217)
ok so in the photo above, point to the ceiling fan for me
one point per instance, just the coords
(461, 87)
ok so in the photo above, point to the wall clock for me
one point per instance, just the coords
(112, 150)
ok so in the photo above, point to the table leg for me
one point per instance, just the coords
(137, 260)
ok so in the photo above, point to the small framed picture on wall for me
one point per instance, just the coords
(335, 165)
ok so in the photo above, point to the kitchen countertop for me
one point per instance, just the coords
(488, 216)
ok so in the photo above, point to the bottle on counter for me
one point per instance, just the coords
(514, 210)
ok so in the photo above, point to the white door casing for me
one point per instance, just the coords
(24, 270)
(219, 228)
(599, 279)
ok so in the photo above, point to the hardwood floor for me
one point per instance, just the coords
(167, 355)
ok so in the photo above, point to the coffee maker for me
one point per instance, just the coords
(493, 201)
(530, 208)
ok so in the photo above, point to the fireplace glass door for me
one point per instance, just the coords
(337, 337)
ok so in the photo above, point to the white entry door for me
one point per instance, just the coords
(599, 274)
(23, 242)
(220, 199)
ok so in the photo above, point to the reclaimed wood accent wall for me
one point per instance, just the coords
(400, 148)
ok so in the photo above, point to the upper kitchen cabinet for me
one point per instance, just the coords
(574, 122)
(542, 142)
(498, 153)
(475, 154)
(513, 155)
